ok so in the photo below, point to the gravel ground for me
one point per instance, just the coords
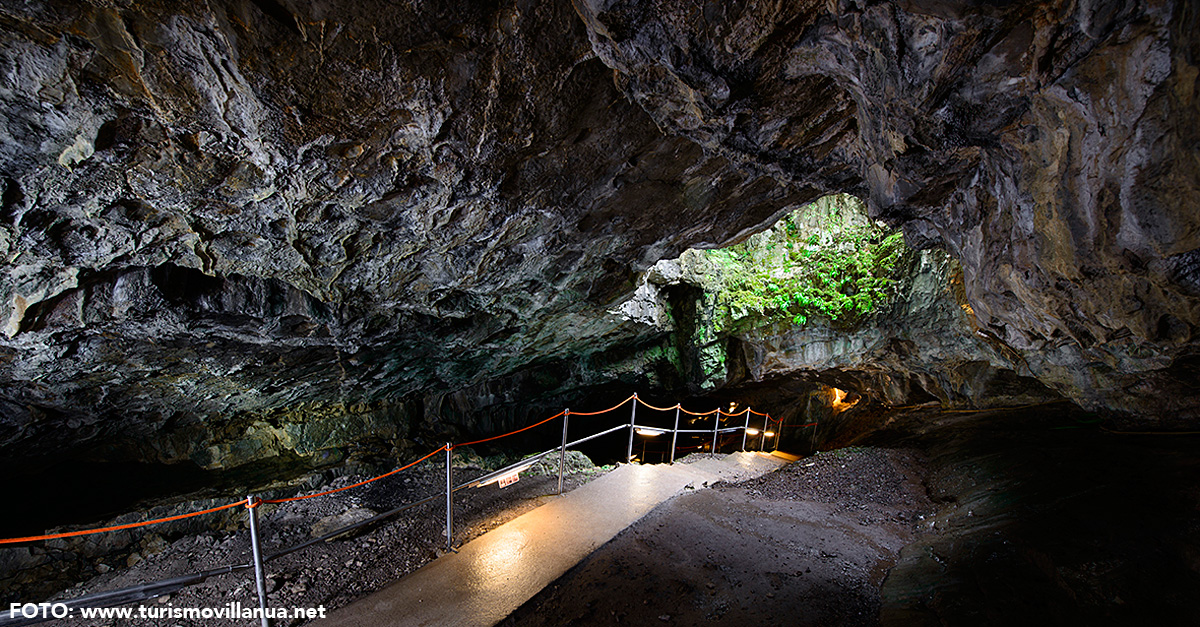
(333, 573)
(874, 484)
(809, 544)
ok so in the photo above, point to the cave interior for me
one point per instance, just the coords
(260, 245)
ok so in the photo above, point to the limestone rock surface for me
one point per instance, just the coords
(1046, 145)
(240, 227)
(235, 228)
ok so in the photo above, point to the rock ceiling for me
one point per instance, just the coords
(244, 207)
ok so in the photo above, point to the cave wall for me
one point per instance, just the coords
(1044, 144)
(225, 220)
(219, 213)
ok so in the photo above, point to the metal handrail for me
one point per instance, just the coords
(518, 466)
(593, 437)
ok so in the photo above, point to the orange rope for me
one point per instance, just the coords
(257, 502)
(119, 527)
(388, 474)
(604, 411)
(505, 435)
(675, 406)
(758, 413)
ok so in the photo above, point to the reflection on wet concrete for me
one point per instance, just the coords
(494, 574)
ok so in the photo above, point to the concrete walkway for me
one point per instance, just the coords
(497, 572)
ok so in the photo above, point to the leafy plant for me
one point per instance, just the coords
(792, 274)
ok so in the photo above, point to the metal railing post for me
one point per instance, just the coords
(632, 428)
(449, 501)
(562, 451)
(675, 432)
(716, 426)
(260, 579)
(744, 431)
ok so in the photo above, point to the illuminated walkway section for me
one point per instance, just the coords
(497, 572)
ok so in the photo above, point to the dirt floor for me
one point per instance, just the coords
(334, 573)
(811, 542)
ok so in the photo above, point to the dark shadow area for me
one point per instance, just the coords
(76, 493)
(1047, 518)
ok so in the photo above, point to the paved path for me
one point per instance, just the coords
(497, 572)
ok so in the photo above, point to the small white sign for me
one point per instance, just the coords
(508, 480)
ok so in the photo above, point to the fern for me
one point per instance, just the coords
(844, 281)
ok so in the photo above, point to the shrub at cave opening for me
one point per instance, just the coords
(823, 260)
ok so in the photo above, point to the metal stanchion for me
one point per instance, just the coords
(744, 428)
(675, 433)
(449, 501)
(562, 451)
(632, 422)
(716, 426)
(260, 578)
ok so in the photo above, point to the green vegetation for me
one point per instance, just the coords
(825, 260)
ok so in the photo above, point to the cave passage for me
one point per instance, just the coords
(277, 247)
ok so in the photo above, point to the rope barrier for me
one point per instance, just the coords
(251, 504)
(675, 406)
(757, 413)
(387, 474)
(602, 411)
(87, 532)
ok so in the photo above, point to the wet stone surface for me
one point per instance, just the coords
(334, 573)
(811, 542)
